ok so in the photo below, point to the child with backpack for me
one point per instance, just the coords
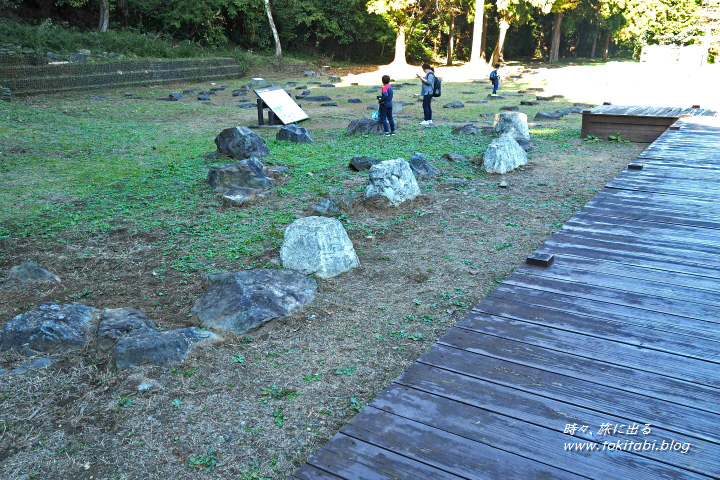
(495, 78)
(427, 89)
(385, 108)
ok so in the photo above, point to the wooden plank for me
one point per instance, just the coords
(620, 199)
(351, 458)
(537, 443)
(648, 232)
(444, 450)
(689, 394)
(584, 394)
(546, 302)
(543, 412)
(594, 347)
(654, 256)
(632, 272)
(627, 330)
(691, 188)
(647, 214)
(310, 472)
(648, 303)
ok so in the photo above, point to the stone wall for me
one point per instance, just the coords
(52, 78)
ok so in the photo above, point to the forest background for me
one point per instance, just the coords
(360, 30)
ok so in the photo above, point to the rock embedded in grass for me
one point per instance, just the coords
(504, 155)
(391, 183)
(318, 246)
(242, 301)
(29, 272)
(241, 143)
(294, 133)
(248, 173)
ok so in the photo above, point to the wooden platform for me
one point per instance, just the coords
(621, 330)
(636, 124)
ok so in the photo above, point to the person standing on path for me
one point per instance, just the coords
(426, 90)
(386, 106)
(495, 78)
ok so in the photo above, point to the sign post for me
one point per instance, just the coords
(282, 107)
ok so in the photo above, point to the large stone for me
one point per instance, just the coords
(52, 328)
(318, 98)
(77, 58)
(294, 133)
(454, 157)
(143, 346)
(515, 124)
(319, 246)
(363, 163)
(455, 104)
(247, 173)
(241, 143)
(29, 272)
(503, 155)
(332, 206)
(241, 196)
(116, 322)
(391, 183)
(240, 302)
(468, 129)
(567, 111)
(548, 116)
(422, 167)
(364, 126)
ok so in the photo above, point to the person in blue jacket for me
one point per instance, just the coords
(385, 109)
(495, 78)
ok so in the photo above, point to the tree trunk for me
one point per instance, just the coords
(104, 15)
(278, 49)
(497, 55)
(477, 53)
(606, 46)
(483, 40)
(594, 44)
(555, 45)
(400, 47)
(451, 40)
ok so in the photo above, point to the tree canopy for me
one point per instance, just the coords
(403, 30)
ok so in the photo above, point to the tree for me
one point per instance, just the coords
(278, 49)
(400, 14)
(558, 8)
(477, 54)
(511, 11)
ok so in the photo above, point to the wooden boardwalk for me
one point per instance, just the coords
(621, 332)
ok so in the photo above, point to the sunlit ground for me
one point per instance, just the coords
(620, 83)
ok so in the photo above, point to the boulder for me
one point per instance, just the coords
(174, 97)
(241, 196)
(143, 346)
(454, 157)
(29, 272)
(309, 73)
(301, 87)
(515, 124)
(329, 104)
(241, 143)
(510, 108)
(319, 246)
(334, 79)
(422, 167)
(354, 100)
(455, 104)
(548, 116)
(289, 84)
(503, 155)
(77, 58)
(363, 163)
(238, 92)
(543, 99)
(247, 173)
(117, 322)
(318, 98)
(239, 302)
(391, 182)
(207, 93)
(468, 129)
(203, 97)
(529, 102)
(52, 328)
(567, 111)
(476, 101)
(294, 133)
(364, 126)
(332, 206)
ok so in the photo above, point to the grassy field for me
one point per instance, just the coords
(110, 194)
